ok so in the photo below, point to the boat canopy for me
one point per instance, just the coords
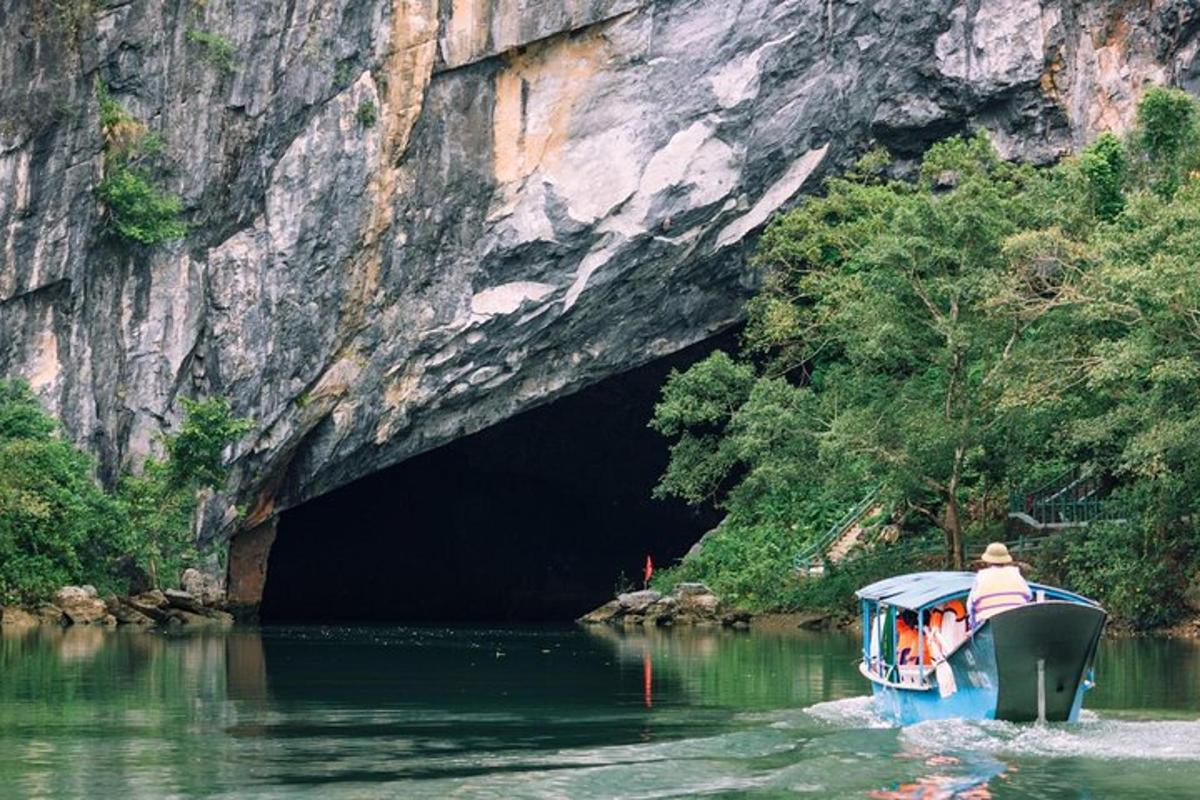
(918, 590)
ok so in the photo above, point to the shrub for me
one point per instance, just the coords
(162, 499)
(366, 114)
(1104, 164)
(137, 210)
(1137, 577)
(214, 48)
(343, 73)
(58, 526)
(197, 450)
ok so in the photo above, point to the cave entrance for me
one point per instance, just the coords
(533, 519)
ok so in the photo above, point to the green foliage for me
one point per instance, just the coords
(161, 500)
(160, 511)
(697, 406)
(112, 113)
(20, 415)
(1133, 574)
(366, 114)
(947, 338)
(73, 16)
(57, 526)
(214, 48)
(1167, 137)
(136, 209)
(1104, 164)
(343, 73)
(197, 450)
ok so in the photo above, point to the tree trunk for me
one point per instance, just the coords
(954, 535)
(953, 524)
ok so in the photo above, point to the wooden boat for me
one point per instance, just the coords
(1029, 662)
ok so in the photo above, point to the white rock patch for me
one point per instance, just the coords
(737, 81)
(508, 297)
(779, 193)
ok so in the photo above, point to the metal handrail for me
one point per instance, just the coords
(805, 557)
(1072, 500)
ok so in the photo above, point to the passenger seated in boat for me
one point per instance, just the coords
(998, 586)
(907, 640)
(947, 624)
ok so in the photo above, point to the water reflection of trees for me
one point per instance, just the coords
(737, 669)
(92, 712)
(1147, 673)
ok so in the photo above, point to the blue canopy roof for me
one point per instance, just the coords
(916, 590)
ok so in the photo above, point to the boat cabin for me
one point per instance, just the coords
(913, 622)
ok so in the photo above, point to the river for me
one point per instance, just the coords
(550, 713)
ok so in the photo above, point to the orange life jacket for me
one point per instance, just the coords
(959, 608)
(906, 644)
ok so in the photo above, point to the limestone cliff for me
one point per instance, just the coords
(543, 193)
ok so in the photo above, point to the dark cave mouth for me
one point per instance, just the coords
(535, 519)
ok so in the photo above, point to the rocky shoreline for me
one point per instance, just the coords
(686, 604)
(198, 603)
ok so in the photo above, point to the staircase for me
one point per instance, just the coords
(837, 542)
(852, 536)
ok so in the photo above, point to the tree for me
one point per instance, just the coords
(161, 500)
(56, 525)
(980, 327)
(905, 304)
(1166, 139)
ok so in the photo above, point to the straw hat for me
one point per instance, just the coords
(996, 553)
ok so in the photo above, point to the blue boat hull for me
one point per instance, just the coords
(1026, 663)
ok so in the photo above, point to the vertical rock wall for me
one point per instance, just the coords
(548, 193)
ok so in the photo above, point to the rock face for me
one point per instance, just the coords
(411, 219)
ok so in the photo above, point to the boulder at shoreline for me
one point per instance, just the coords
(686, 604)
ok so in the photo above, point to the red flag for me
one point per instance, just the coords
(649, 570)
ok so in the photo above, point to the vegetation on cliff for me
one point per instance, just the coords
(135, 208)
(948, 338)
(59, 526)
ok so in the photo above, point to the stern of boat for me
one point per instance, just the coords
(1043, 655)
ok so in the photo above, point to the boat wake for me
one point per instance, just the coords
(1092, 738)
(849, 712)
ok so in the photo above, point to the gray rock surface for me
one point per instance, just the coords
(206, 589)
(81, 605)
(15, 617)
(687, 604)
(550, 193)
(637, 602)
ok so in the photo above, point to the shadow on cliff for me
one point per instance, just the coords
(533, 519)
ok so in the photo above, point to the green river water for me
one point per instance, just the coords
(550, 713)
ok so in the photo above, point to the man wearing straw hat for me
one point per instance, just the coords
(998, 586)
